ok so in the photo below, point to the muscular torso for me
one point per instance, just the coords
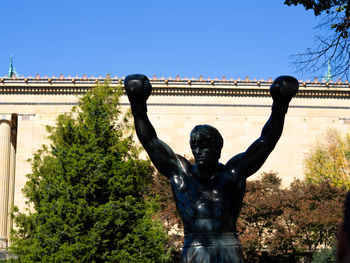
(209, 205)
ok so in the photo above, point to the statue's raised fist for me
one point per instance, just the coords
(284, 88)
(138, 88)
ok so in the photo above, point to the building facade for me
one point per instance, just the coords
(237, 108)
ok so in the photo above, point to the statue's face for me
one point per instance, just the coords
(205, 149)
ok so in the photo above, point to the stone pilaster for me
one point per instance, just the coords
(5, 150)
(11, 193)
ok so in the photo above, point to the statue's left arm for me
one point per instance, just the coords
(250, 161)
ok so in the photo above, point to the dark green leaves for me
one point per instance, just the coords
(86, 191)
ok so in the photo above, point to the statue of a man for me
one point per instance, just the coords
(209, 194)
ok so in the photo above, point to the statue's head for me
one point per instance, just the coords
(206, 143)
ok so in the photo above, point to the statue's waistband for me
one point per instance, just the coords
(211, 239)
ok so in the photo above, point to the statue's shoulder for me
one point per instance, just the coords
(179, 180)
(235, 161)
(185, 165)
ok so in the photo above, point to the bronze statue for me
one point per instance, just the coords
(209, 194)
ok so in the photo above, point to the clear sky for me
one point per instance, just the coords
(188, 38)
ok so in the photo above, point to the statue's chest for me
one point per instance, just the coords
(209, 193)
(208, 201)
(203, 199)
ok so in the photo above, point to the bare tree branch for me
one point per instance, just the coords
(332, 47)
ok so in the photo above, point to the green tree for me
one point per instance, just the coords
(334, 45)
(325, 255)
(329, 160)
(86, 192)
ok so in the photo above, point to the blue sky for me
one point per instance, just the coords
(167, 38)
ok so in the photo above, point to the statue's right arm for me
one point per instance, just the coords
(138, 89)
(162, 156)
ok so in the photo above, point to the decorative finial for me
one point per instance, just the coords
(328, 76)
(12, 70)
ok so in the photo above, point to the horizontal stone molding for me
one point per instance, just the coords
(26, 117)
(174, 87)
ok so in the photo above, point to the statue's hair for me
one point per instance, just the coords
(210, 131)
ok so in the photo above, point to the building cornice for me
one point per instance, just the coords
(173, 87)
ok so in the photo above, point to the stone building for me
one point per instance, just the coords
(237, 108)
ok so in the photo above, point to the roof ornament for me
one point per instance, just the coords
(328, 76)
(12, 70)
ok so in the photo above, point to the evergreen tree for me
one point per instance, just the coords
(86, 191)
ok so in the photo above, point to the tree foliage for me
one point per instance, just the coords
(86, 191)
(282, 225)
(329, 160)
(168, 215)
(334, 45)
(325, 255)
